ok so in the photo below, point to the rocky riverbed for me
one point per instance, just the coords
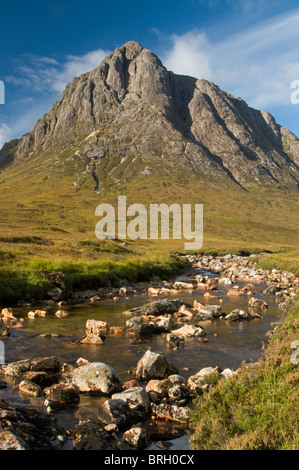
(130, 409)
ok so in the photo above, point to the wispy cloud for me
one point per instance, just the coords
(257, 64)
(5, 133)
(46, 74)
(46, 78)
(191, 54)
(244, 5)
(77, 65)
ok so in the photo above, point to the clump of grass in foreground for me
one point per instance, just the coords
(256, 409)
(30, 280)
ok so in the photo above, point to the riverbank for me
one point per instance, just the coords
(30, 280)
(257, 408)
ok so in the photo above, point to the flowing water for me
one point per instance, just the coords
(229, 344)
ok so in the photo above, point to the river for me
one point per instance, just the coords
(228, 345)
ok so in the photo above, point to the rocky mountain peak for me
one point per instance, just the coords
(132, 105)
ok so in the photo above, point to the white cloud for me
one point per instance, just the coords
(5, 134)
(46, 78)
(75, 66)
(46, 74)
(245, 6)
(190, 55)
(257, 64)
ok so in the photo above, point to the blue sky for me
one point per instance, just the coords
(247, 47)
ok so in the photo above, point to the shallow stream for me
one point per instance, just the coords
(228, 345)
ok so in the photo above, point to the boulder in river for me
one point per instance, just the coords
(164, 324)
(142, 329)
(90, 435)
(154, 366)
(30, 389)
(135, 397)
(96, 378)
(15, 369)
(26, 429)
(95, 332)
(174, 341)
(207, 312)
(64, 393)
(257, 303)
(4, 330)
(157, 308)
(115, 411)
(6, 313)
(136, 437)
(40, 378)
(238, 314)
(188, 331)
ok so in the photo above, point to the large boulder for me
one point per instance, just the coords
(96, 378)
(154, 366)
(40, 378)
(6, 313)
(115, 411)
(164, 324)
(157, 308)
(238, 314)
(207, 312)
(174, 388)
(64, 393)
(30, 389)
(195, 382)
(137, 327)
(90, 435)
(188, 331)
(135, 397)
(170, 412)
(28, 429)
(136, 437)
(95, 332)
(257, 303)
(15, 369)
(47, 364)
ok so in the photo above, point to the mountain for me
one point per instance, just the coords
(132, 108)
(132, 127)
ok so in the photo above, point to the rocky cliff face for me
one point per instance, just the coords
(133, 112)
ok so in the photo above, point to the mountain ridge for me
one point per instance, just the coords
(133, 107)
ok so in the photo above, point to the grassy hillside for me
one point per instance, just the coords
(47, 220)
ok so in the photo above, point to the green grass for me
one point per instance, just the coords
(32, 280)
(287, 260)
(257, 408)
